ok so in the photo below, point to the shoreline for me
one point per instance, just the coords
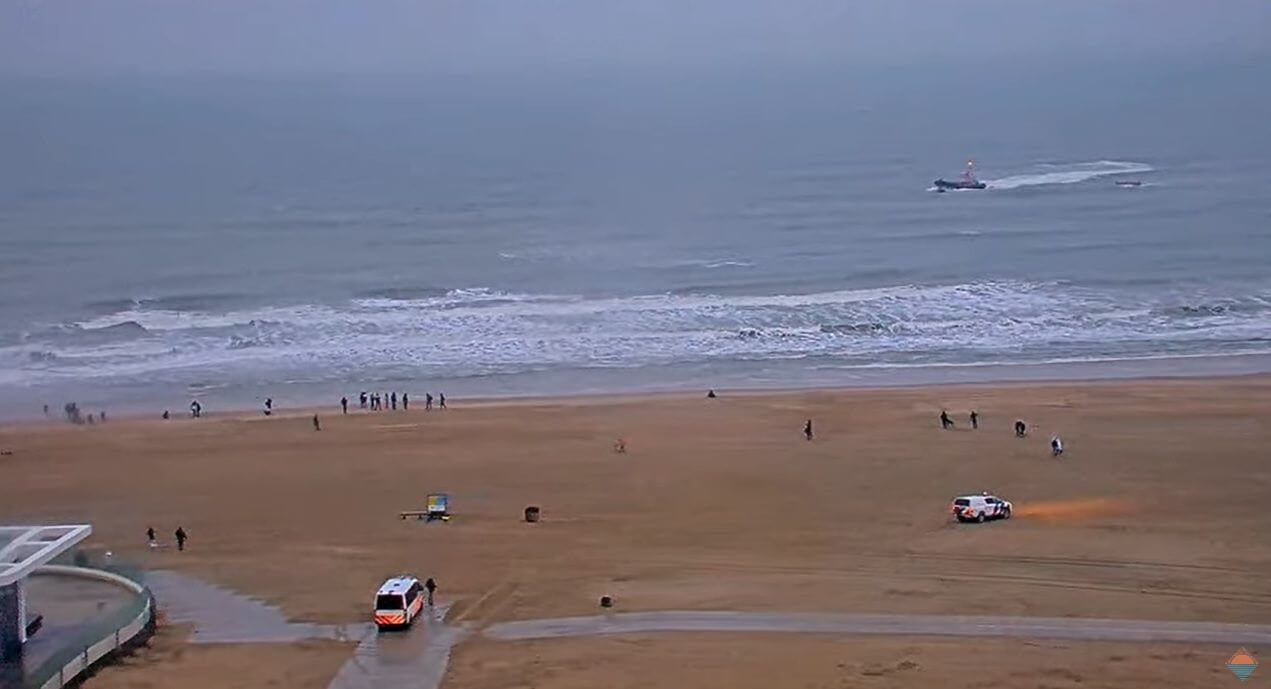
(244, 413)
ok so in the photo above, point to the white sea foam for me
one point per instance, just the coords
(488, 332)
(1069, 174)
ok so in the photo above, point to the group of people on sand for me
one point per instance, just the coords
(75, 416)
(153, 541)
(946, 423)
(1021, 430)
(376, 402)
(371, 401)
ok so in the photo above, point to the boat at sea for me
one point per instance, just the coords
(966, 181)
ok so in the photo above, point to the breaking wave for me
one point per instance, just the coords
(477, 332)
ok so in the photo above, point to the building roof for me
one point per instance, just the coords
(23, 549)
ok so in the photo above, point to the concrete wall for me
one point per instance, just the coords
(12, 621)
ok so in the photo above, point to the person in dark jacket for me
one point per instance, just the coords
(180, 534)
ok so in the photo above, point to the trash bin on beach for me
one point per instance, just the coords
(531, 514)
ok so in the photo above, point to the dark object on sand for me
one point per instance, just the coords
(165, 414)
(945, 422)
(316, 426)
(606, 601)
(531, 514)
(807, 429)
(710, 394)
(1020, 429)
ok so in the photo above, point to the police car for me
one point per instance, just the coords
(977, 508)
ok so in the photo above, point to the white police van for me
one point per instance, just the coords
(398, 602)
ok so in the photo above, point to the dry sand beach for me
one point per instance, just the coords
(1157, 511)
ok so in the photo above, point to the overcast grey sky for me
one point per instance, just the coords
(492, 36)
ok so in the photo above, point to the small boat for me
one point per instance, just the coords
(966, 181)
(1129, 183)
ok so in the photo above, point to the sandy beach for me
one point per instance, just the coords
(1156, 511)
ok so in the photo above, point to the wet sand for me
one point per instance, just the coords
(1157, 510)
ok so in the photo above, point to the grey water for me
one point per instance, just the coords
(233, 239)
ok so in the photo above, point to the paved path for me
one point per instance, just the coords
(915, 625)
(412, 659)
(416, 659)
(221, 616)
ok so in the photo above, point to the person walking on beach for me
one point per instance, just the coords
(196, 409)
(102, 416)
(150, 536)
(344, 405)
(441, 400)
(975, 420)
(165, 415)
(807, 429)
(1056, 446)
(180, 534)
(431, 586)
(1020, 429)
(316, 426)
(393, 401)
(427, 401)
(945, 422)
(405, 402)
(363, 399)
(269, 406)
(46, 410)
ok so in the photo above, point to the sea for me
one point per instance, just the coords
(229, 239)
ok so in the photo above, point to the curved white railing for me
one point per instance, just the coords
(110, 642)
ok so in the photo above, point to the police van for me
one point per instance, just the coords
(398, 602)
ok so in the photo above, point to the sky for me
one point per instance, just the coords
(265, 37)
